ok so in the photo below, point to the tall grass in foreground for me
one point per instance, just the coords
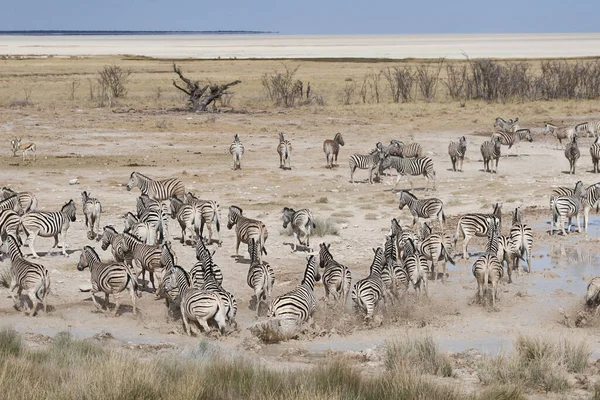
(76, 369)
(537, 363)
(417, 353)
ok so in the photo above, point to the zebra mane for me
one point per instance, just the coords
(139, 174)
(70, 202)
(15, 244)
(310, 260)
(236, 208)
(409, 194)
(111, 228)
(8, 199)
(127, 234)
(90, 250)
(183, 272)
(236, 138)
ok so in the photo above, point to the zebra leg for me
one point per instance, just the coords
(133, 296)
(31, 242)
(98, 306)
(184, 317)
(117, 304)
(106, 303)
(465, 244)
(294, 245)
(13, 285)
(237, 247)
(151, 273)
(63, 237)
(210, 232)
(352, 174)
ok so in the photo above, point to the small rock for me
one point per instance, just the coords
(74, 181)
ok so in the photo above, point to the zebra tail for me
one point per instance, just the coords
(41, 291)
(447, 255)
(261, 240)
(216, 219)
(443, 216)
(134, 283)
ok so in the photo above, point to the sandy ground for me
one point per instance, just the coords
(316, 46)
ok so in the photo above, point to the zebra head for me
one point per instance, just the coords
(549, 128)
(107, 235)
(133, 181)
(130, 221)
(324, 254)
(234, 214)
(84, 196)
(236, 138)
(70, 210)
(339, 139)
(406, 198)
(395, 228)
(281, 138)
(85, 258)
(597, 138)
(287, 216)
(310, 264)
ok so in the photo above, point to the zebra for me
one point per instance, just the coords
(488, 269)
(563, 132)
(210, 213)
(110, 237)
(423, 208)
(110, 278)
(401, 235)
(297, 306)
(147, 232)
(336, 278)
(509, 125)
(590, 200)
(592, 295)
(196, 304)
(197, 274)
(9, 225)
(186, 215)
(457, 152)
(157, 190)
(12, 203)
(260, 278)
(91, 211)
(521, 236)
(146, 256)
(27, 199)
(590, 128)
(490, 150)
(393, 275)
(236, 149)
(246, 228)
(49, 224)
(370, 161)
(413, 166)
(284, 149)
(572, 153)
(25, 148)
(436, 247)
(595, 153)
(31, 277)
(476, 224)
(399, 149)
(416, 268)
(331, 148)
(150, 210)
(512, 138)
(567, 206)
(302, 223)
(368, 292)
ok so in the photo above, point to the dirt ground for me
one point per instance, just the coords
(101, 147)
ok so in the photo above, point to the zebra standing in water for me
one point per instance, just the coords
(110, 278)
(332, 148)
(27, 199)
(368, 292)
(422, 208)
(512, 138)
(490, 150)
(297, 306)
(157, 190)
(488, 269)
(209, 214)
(284, 149)
(595, 153)
(371, 162)
(302, 223)
(91, 211)
(336, 277)
(246, 228)
(236, 149)
(572, 154)
(476, 224)
(26, 276)
(560, 133)
(410, 166)
(567, 207)
(261, 277)
(49, 224)
(521, 236)
(457, 152)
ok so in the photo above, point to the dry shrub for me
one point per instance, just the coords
(427, 77)
(369, 89)
(114, 79)
(400, 83)
(283, 88)
(347, 94)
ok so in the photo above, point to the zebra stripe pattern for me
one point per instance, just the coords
(26, 276)
(595, 153)
(236, 149)
(147, 232)
(422, 208)
(109, 278)
(186, 215)
(506, 125)
(245, 229)
(91, 211)
(393, 276)
(512, 138)
(436, 247)
(110, 237)
(416, 268)
(410, 167)
(146, 256)
(284, 149)
(561, 133)
(197, 272)
(567, 207)
(25, 148)
(210, 214)
(302, 223)
(297, 306)
(337, 278)
(592, 295)
(157, 190)
(49, 224)
(457, 151)
(488, 269)
(490, 150)
(27, 199)
(476, 224)
(9, 225)
(260, 278)
(521, 236)
(12, 203)
(331, 148)
(590, 128)
(368, 292)
(401, 235)
(370, 161)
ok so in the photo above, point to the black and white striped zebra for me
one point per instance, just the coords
(369, 161)
(27, 199)
(393, 275)
(9, 225)
(476, 224)
(436, 247)
(400, 149)
(157, 189)
(416, 267)
(187, 216)
(521, 236)
(572, 153)
(49, 224)
(196, 304)
(401, 235)
(595, 153)
(236, 149)
(210, 214)
(147, 257)
(559, 132)
(26, 276)
(567, 207)
(512, 138)
(92, 208)
(509, 125)
(336, 277)
(146, 231)
(488, 269)
(260, 278)
(457, 151)
(110, 237)
(410, 167)
(368, 292)
(12, 203)
(490, 150)
(591, 128)
(592, 294)
(246, 228)
(284, 149)
(331, 148)
(197, 271)
(422, 208)
(302, 224)
(108, 278)
(297, 306)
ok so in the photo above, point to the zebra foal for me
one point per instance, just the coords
(49, 224)
(236, 149)
(284, 149)
(490, 150)
(331, 148)
(457, 151)
(92, 208)
(302, 223)
(336, 277)
(572, 153)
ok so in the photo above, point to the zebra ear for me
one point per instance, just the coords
(328, 246)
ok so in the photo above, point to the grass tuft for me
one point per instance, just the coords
(5, 277)
(10, 343)
(322, 200)
(417, 353)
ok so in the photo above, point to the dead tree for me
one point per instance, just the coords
(200, 97)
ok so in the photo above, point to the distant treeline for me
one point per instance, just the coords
(126, 33)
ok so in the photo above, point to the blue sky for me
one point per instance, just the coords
(305, 17)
